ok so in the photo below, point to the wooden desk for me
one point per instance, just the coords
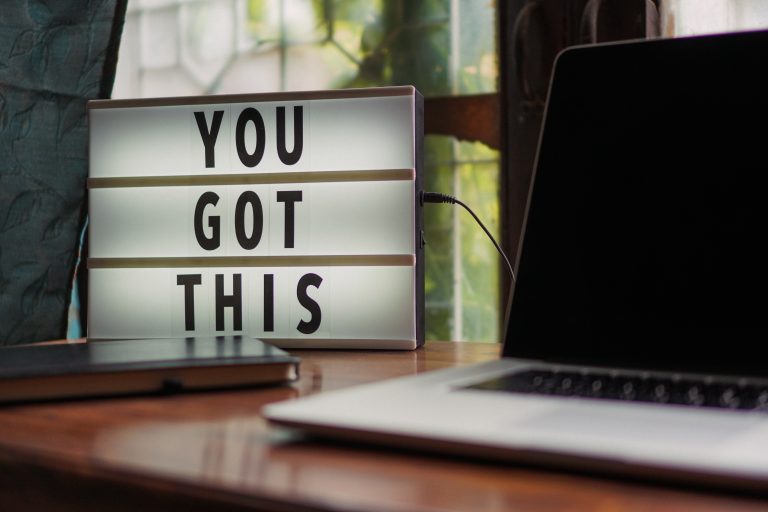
(213, 451)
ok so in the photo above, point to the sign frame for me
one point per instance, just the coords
(416, 176)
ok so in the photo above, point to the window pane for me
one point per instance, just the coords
(691, 17)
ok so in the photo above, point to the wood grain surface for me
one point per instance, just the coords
(214, 451)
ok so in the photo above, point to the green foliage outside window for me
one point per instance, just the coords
(442, 47)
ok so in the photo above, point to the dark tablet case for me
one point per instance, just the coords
(98, 368)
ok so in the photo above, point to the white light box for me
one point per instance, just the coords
(290, 217)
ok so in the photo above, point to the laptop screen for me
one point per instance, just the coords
(645, 241)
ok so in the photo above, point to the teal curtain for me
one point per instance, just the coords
(54, 57)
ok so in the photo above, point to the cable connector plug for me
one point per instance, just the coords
(437, 197)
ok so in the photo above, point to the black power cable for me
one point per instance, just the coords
(436, 197)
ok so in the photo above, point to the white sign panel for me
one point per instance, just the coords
(291, 217)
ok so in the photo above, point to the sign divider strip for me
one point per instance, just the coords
(372, 260)
(253, 178)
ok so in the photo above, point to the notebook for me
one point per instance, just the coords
(634, 339)
(121, 367)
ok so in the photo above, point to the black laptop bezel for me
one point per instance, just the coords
(518, 347)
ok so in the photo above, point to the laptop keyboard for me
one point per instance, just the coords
(672, 390)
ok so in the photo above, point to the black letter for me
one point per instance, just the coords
(309, 304)
(250, 114)
(234, 301)
(209, 137)
(298, 135)
(258, 219)
(189, 281)
(269, 302)
(294, 196)
(212, 243)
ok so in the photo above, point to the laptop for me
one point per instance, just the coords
(636, 332)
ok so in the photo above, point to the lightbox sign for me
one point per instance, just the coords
(291, 217)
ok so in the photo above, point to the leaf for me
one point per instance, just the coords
(25, 267)
(23, 44)
(23, 122)
(90, 89)
(54, 229)
(33, 294)
(39, 12)
(21, 209)
(70, 116)
(3, 117)
(92, 74)
(372, 36)
(3, 282)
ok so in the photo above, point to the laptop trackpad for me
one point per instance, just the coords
(625, 425)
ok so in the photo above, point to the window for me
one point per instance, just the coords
(443, 47)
